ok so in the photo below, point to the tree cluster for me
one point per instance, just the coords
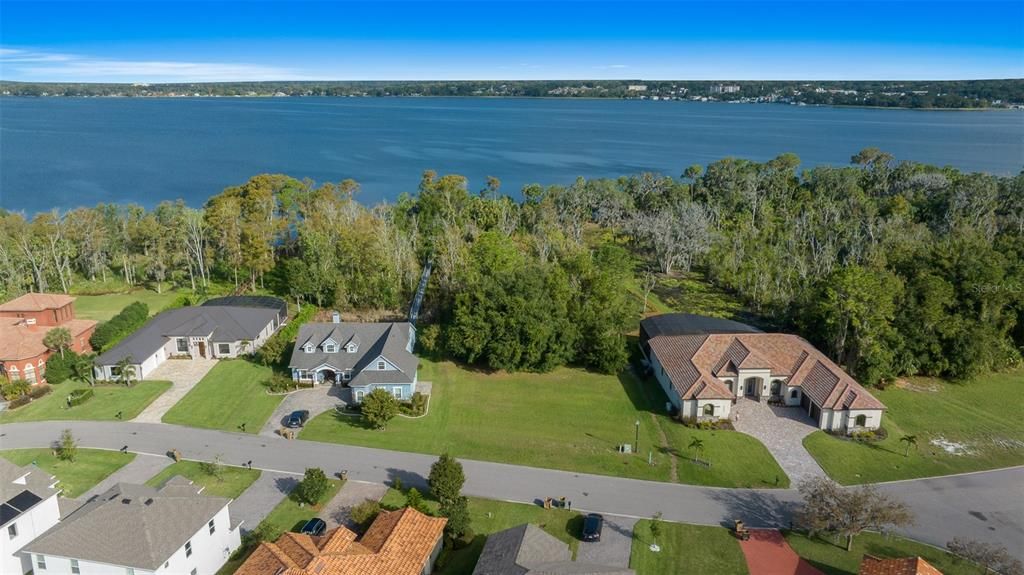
(120, 326)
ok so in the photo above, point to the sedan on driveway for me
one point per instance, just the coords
(297, 419)
(592, 525)
(314, 526)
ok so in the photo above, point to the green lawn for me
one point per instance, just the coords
(489, 516)
(289, 516)
(232, 482)
(230, 395)
(736, 459)
(567, 419)
(106, 306)
(687, 292)
(104, 405)
(982, 415)
(89, 468)
(833, 559)
(686, 549)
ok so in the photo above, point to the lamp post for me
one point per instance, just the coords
(636, 444)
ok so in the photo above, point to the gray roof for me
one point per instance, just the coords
(222, 324)
(264, 301)
(390, 340)
(529, 550)
(131, 525)
(691, 324)
(22, 488)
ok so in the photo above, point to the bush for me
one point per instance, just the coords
(464, 540)
(428, 339)
(182, 300)
(416, 407)
(15, 389)
(379, 407)
(279, 383)
(39, 391)
(121, 325)
(364, 513)
(59, 369)
(80, 396)
(16, 403)
(313, 486)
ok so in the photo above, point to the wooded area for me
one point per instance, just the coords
(891, 268)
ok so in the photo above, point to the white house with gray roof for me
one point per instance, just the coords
(363, 356)
(529, 550)
(206, 331)
(29, 508)
(139, 530)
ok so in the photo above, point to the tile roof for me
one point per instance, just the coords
(398, 543)
(390, 340)
(131, 525)
(903, 566)
(695, 362)
(19, 340)
(37, 302)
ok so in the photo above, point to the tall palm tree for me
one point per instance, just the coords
(81, 370)
(911, 441)
(697, 445)
(126, 370)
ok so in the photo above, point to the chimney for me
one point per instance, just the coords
(335, 317)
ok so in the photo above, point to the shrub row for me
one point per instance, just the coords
(120, 326)
(276, 349)
(414, 407)
(183, 300)
(34, 393)
(15, 389)
(79, 396)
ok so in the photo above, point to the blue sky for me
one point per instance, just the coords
(189, 40)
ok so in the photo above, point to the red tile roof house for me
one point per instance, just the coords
(24, 322)
(905, 566)
(705, 364)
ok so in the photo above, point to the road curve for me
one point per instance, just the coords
(988, 506)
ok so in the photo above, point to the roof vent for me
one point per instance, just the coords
(126, 501)
(149, 501)
(335, 317)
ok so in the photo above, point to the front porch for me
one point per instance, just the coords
(323, 375)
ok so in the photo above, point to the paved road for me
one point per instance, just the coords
(987, 506)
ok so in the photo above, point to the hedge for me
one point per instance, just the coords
(79, 396)
(120, 326)
(276, 349)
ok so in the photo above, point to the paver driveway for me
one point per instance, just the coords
(183, 374)
(615, 545)
(782, 430)
(316, 400)
(767, 553)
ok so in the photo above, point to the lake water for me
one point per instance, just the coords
(64, 152)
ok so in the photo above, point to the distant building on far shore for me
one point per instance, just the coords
(724, 89)
(636, 88)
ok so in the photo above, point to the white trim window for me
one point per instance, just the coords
(182, 345)
(224, 349)
(381, 366)
(212, 526)
(330, 348)
(12, 530)
(397, 391)
(74, 567)
(188, 549)
(41, 562)
(359, 396)
(308, 348)
(346, 375)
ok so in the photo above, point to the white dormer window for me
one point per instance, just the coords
(351, 348)
(381, 365)
(308, 348)
(330, 348)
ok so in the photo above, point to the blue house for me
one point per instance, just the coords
(362, 356)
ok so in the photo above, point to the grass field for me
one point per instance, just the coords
(106, 306)
(736, 459)
(232, 482)
(104, 405)
(982, 416)
(833, 559)
(489, 516)
(686, 549)
(686, 292)
(567, 419)
(89, 468)
(230, 395)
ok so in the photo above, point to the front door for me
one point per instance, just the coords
(202, 349)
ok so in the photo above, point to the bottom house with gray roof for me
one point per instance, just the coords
(528, 550)
(140, 530)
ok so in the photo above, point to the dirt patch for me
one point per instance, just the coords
(919, 386)
(1006, 443)
(952, 447)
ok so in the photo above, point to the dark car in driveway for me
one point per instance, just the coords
(297, 419)
(592, 525)
(314, 526)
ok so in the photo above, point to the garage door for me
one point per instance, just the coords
(816, 413)
(805, 401)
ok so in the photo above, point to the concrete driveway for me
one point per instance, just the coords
(316, 400)
(782, 430)
(615, 545)
(183, 374)
(337, 512)
(261, 497)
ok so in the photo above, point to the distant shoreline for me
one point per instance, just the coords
(482, 97)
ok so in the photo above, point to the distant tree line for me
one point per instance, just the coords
(892, 268)
(908, 94)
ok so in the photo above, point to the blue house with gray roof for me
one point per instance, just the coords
(362, 356)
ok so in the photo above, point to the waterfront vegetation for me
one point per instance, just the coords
(958, 427)
(223, 481)
(89, 468)
(230, 395)
(108, 401)
(568, 419)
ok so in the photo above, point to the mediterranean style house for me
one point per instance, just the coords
(30, 508)
(704, 364)
(25, 321)
(363, 356)
(529, 550)
(402, 542)
(220, 328)
(139, 530)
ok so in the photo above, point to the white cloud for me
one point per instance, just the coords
(53, 67)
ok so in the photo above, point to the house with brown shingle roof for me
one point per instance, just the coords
(704, 371)
(871, 565)
(402, 542)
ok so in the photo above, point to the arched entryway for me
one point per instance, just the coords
(753, 387)
(328, 376)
